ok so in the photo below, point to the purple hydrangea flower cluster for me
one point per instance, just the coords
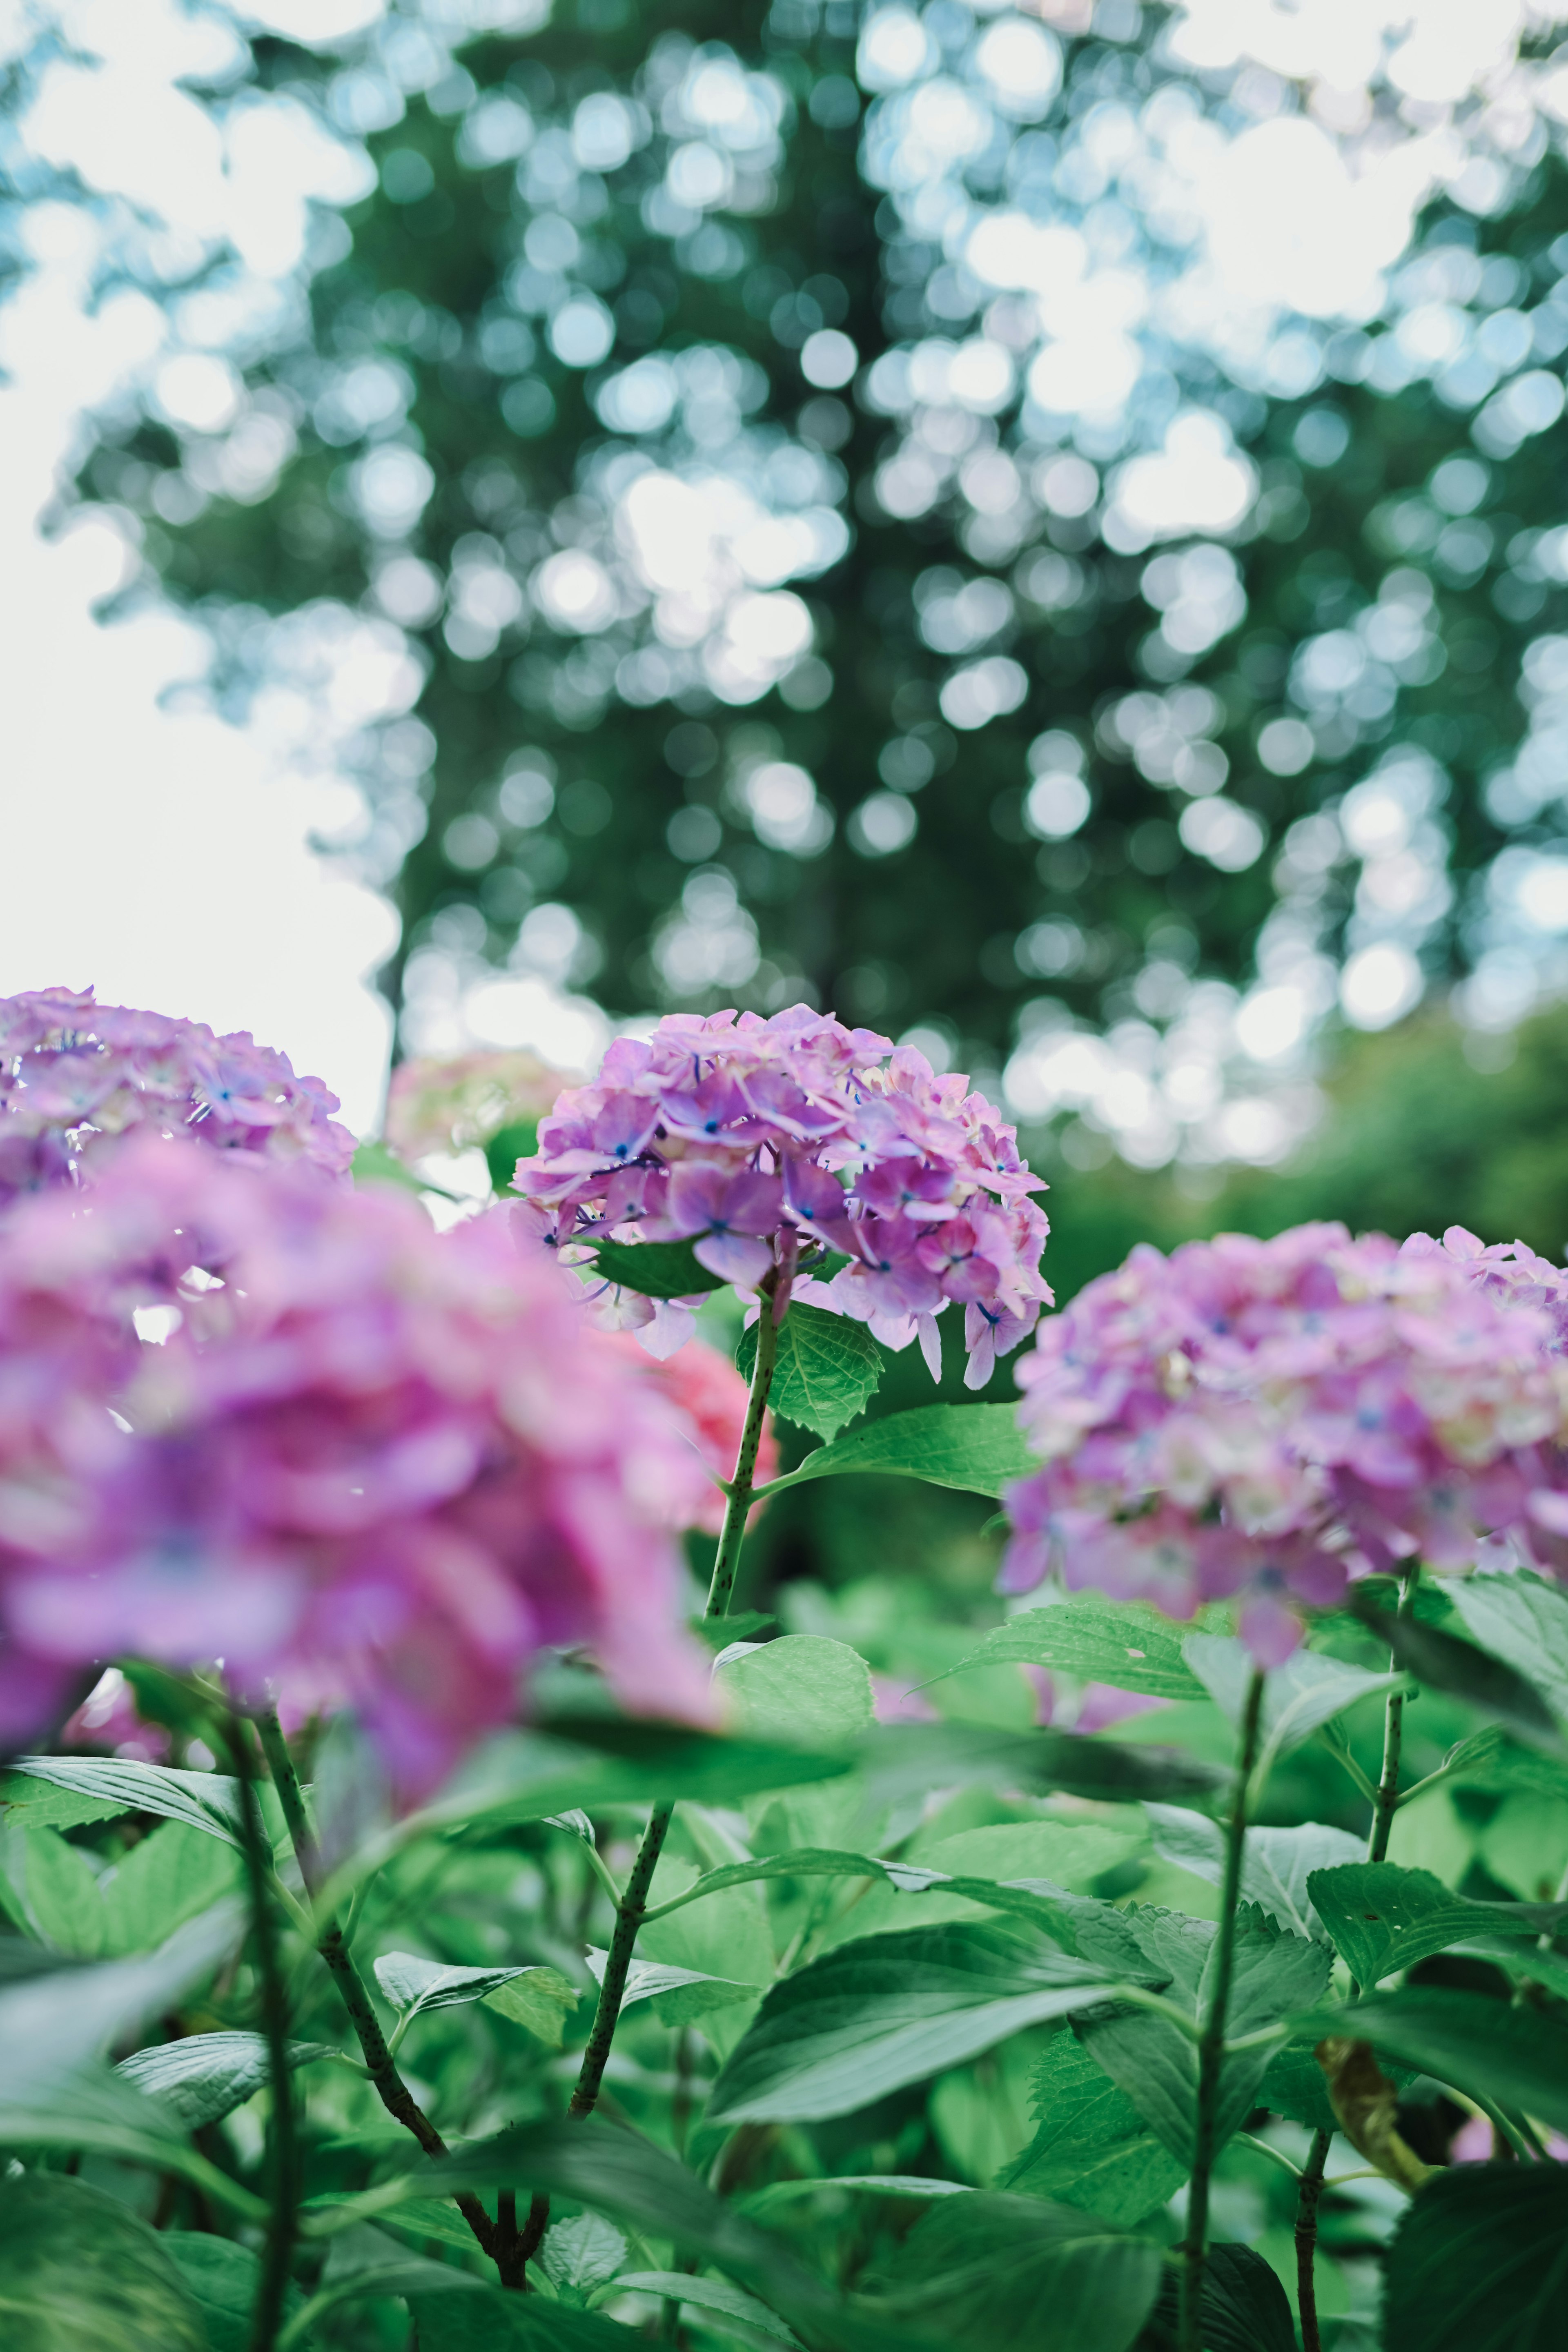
(250, 1416)
(75, 1075)
(1270, 1418)
(751, 1137)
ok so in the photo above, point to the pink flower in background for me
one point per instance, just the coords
(74, 1076)
(442, 1105)
(709, 1396)
(747, 1136)
(1268, 1418)
(245, 1415)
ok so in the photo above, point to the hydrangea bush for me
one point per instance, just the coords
(724, 1984)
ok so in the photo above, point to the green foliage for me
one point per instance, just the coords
(1245, 2307)
(1092, 2149)
(656, 1269)
(205, 2076)
(1480, 2263)
(826, 1372)
(221, 2277)
(79, 2273)
(1276, 1864)
(976, 1448)
(986, 2271)
(1131, 1650)
(1383, 1919)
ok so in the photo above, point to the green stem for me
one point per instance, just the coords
(332, 1944)
(1386, 1803)
(1211, 2045)
(278, 2253)
(633, 1905)
(1307, 2239)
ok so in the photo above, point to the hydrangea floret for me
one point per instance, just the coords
(759, 1139)
(76, 1074)
(250, 1416)
(1270, 1418)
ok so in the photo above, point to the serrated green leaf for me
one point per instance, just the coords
(79, 2273)
(1384, 1918)
(34, 1804)
(983, 2271)
(1483, 2047)
(1092, 2148)
(828, 1370)
(976, 1448)
(208, 2075)
(1276, 1862)
(654, 1269)
(1524, 1619)
(801, 1688)
(583, 2253)
(1156, 2063)
(875, 2014)
(1480, 2263)
(203, 1801)
(1124, 1647)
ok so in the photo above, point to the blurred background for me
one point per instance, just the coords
(1042, 530)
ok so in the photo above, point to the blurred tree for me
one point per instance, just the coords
(692, 424)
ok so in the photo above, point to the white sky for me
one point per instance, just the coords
(164, 857)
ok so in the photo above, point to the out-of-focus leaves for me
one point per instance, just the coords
(222, 2279)
(1480, 2263)
(799, 1689)
(79, 2273)
(1299, 1697)
(680, 1996)
(1245, 2308)
(1516, 2056)
(1097, 1643)
(1274, 1865)
(1522, 1619)
(757, 2323)
(1444, 1663)
(993, 2274)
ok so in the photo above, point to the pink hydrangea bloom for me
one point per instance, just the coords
(752, 1138)
(75, 1075)
(249, 1416)
(703, 1388)
(1269, 1417)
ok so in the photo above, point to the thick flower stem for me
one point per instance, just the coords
(391, 2089)
(1310, 2190)
(278, 2253)
(634, 1901)
(1211, 2045)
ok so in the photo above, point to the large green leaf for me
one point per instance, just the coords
(222, 2279)
(365, 2261)
(1384, 1918)
(203, 1801)
(50, 1890)
(874, 2015)
(656, 1269)
(1276, 1862)
(1128, 1648)
(1299, 1697)
(756, 2322)
(1480, 2263)
(828, 1370)
(1522, 1619)
(209, 2075)
(1444, 1663)
(1092, 2149)
(801, 1689)
(907, 1759)
(35, 1804)
(680, 1996)
(493, 2321)
(1013, 1859)
(79, 2273)
(165, 1879)
(1245, 2308)
(978, 1448)
(51, 2025)
(538, 1997)
(996, 2274)
(1481, 2046)
(1156, 2063)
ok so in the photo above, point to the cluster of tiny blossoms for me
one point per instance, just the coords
(75, 1075)
(250, 1416)
(748, 1137)
(1269, 1418)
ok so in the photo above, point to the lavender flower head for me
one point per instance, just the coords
(75, 1075)
(752, 1138)
(1270, 1418)
(250, 1416)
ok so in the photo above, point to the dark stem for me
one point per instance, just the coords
(278, 2254)
(1307, 2241)
(1387, 1799)
(391, 2089)
(634, 1901)
(1211, 2045)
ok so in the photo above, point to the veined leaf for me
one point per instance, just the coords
(828, 1370)
(1308, 1691)
(1489, 1759)
(1276, 1862)
(1156, 2063)
(654, 1269)
(539, 1999)
(1092, 2148)
(1480, 2263)
(1524, 1619)
(800, 1689)
(414, 1985)
(712, 2294)
(35, 1804)
(984, 2271)
(1518, 2056)
(203, 1801)
(1384, 1918)
(581, 2253)
(1121, 1646)
(208, 2075)
(1444, 1663)
(873, 2015)
(977, 1448)
(79, 2272)
(222, 2279)
(680, 1996)
(1245, 2308)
